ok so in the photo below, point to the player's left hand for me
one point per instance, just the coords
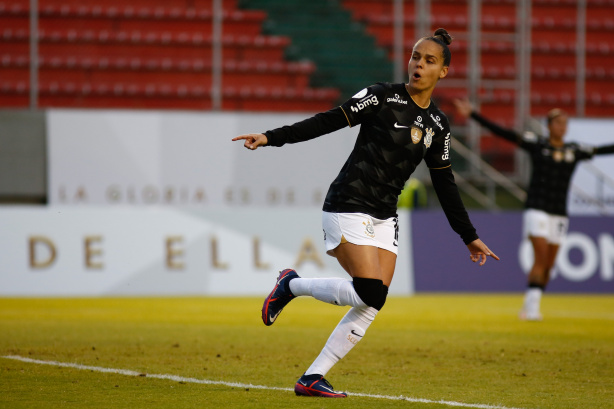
(479, 251)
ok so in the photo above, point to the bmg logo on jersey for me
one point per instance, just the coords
(446, 148)
(365, 102)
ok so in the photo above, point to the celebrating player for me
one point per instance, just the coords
(545, 218)
(400, 126)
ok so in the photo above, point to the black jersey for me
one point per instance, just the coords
(552, 167)
(395, 136)
(552, 171)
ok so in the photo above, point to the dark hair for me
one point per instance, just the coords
(444, 39)
(554, 113)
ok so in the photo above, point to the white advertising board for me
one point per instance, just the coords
(185, 159)
(102, 251)
(590, 194)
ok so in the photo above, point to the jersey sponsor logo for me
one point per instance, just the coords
(586, 149)
(446, 148)
(428, 139)
(529, 137)
(360, 93)
(397, 99)
(365, 102)
(437, 120)
(396, 125)
(416, 134)
(570, 156)
(418, 122)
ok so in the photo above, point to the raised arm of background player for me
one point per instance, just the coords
(443, 179)
(465, 108)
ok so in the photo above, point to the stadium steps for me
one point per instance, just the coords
(345, 55)
(150, 54)
(553, 59)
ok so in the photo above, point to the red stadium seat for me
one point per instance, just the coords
(164, 96)
(147, 54)
(72, 43)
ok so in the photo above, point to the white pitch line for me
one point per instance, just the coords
(241, 385)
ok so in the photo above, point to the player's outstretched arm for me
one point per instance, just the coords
(604, 150)
(478, 250)
(252, 140)
(463, 107)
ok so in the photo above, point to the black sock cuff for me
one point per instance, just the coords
(536, 285)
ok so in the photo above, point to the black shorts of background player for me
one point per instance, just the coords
(399, 127)
(545, 218)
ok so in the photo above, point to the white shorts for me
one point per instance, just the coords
(360, 229)
(552, 227)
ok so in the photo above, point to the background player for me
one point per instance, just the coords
(545, 218)
(400, 126)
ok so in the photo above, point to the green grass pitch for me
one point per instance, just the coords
(463, 349)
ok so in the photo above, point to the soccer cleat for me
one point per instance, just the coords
(316, 385)
(530, 316)
(279, 297)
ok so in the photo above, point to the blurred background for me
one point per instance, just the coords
(116, 119)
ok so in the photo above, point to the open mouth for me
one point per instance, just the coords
(416, 76)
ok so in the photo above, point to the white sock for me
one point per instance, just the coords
(337, 291)
(532, 300)
(348, 332)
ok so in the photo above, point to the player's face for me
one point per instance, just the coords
(557, 128)
(425, 66)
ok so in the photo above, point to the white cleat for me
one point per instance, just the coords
(530, 316)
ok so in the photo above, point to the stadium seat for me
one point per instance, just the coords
(187, 4)
(89, 43)
(150, 54)
(164, 96)
(93, 71)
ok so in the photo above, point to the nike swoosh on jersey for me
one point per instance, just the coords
(396, 125)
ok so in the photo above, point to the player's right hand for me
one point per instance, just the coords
(253, 140)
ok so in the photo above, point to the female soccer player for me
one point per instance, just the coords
(400, 126)
(545, 218)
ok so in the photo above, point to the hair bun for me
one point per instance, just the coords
(443, 35)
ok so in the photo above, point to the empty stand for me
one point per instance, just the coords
(150, 54)
(554, 47)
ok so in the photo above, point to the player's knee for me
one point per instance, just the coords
(371, 291)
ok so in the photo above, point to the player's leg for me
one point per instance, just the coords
(370, 267)
(541, 262)
(539, 279)
(536, 227)
(553, 250)
(353, 239)
(536, 280)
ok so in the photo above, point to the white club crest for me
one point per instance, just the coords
(429, 137)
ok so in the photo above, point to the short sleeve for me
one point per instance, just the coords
(584, 152)
(438, 154)
(363, 104)
(529, 140)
